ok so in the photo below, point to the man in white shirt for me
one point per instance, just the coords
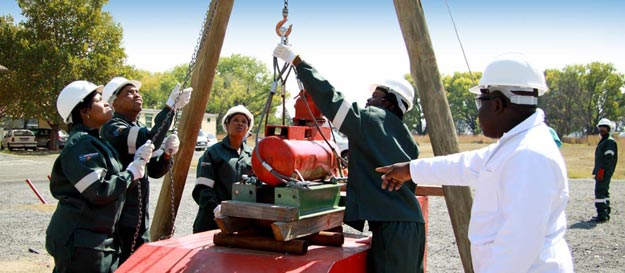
(521, 187)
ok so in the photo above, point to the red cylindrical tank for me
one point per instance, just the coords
(302, 114)
(313, 159)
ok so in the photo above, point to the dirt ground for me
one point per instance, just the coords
(23, 221)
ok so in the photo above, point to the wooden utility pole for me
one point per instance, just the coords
(192, 115)
(441, 127)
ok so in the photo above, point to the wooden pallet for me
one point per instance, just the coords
(277, 228)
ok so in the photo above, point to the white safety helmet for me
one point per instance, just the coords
(72, 95)
(511, 72)
(606, 122)
(113, 87)
(402, 90)
(239, 109)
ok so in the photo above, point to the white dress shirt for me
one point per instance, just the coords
(521, 192)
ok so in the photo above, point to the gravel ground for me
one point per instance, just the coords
(23, 220)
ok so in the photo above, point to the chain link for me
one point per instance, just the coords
(200, 42)
(140, 218)
(285, 9)
(205, 28)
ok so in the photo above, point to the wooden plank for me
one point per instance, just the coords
(427, 190)
(191, 121)
(298, 247)
(260, 211)
(229, 225)
(441, 129)
(285, 231)
(325, 238)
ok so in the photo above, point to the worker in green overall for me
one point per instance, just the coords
(377, 137)
(606, 157)
(222, 165)
(90, 183)
(125, 133)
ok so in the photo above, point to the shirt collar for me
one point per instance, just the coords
(532, 121)
(245, 148)
(125, 118)
(82, 128)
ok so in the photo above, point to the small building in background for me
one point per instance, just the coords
(209, 121)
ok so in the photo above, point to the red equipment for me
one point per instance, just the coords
(298, 151)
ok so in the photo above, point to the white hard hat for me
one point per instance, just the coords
(113, 87)
(72, 95)
(239, 109)
(511, 72)
(402, 90)
(606, 122)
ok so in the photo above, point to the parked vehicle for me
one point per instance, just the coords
(19, 138)
(212, 139)
(42, 135)
(202, 141)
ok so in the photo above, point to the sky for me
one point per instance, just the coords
(353, 42)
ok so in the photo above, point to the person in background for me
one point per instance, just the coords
(125, 133)
(518, 220)
(554, 135)
(377, 136)
(90, 182)
(222, 165)
(606, 157)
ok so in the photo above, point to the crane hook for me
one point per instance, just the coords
(282, 31)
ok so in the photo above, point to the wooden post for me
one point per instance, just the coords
(201, 81)
(441, 127)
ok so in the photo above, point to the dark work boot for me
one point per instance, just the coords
(599, 219)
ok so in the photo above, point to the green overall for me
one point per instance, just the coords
(606, 157)
(126, 137)
(219, 167)
(377, 138)
(90, 183)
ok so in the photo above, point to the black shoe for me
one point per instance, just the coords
(598, 219)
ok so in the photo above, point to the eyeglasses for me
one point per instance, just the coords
(478, 100)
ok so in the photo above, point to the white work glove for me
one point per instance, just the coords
(285, 53)
(172, 144)
(183, 97)
(217, 211)
(142, 157)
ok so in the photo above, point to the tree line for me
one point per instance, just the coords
(64, 40)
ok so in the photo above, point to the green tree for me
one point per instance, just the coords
(242, 80)
(581, 95)
(58, 42)
(10, 48)
(462, 102)
(562, 104)
(414, 118)
(238, 80)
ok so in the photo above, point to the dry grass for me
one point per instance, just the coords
(578, 153)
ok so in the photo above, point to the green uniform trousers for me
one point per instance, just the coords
(396, 247)
(602, 198)
(75, 259)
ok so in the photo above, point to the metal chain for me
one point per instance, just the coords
(140, 218)
(285, 9)
(208, 17)
(172, 201)
(205, 28)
